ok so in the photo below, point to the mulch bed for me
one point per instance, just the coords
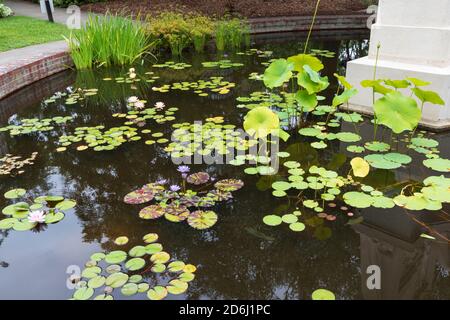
(219, 8)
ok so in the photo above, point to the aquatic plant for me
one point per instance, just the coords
(14, 165)
(176, 203)
(231, 34)
(200, 87)
(29, 126)
(130, 272)
(109, 40)
(35, 213)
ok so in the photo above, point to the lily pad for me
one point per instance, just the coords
(202, 219)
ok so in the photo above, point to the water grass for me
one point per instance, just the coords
(108, 40)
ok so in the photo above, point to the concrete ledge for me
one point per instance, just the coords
(21, 67)
(286, 23)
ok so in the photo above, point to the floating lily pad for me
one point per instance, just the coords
(198, 178)
(202, 219)
(152, 212)
(139, 196)
(323, 294)
(272, 220)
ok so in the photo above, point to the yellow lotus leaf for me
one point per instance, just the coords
(360, 167)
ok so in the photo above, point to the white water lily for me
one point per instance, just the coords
(37, 216)
(139, 105)
(132, 75)
(132, 70)
(160, 105)
(133, 99)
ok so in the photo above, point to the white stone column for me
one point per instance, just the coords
(415, 42)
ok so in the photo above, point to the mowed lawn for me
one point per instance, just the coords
(18, 32)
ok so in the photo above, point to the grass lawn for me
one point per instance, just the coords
(18, 32)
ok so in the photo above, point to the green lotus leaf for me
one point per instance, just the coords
(24, 225)
(153, 248)
(116, 257)
(424, 142)
(306, 101)
(15, 193)
(65, 205)
(158, 268)
(397, 112)
(150, 237)
(120, 241)
(297, 226)
(377, 146)
(376, 86)
(398, 157)
(281, 185)
(177, 287)
(7, 223)
(344, 97)
(104, 297)
(137, 251)
(428, 96)
(135, 264)
(160, 257)
(289, 218)
(272, 220)
(54, 217)
(91, 272)
(278, 72)
(358, 199)
(116, 280)
(438, 164)
(96, 282)
(157, 293)
(301, 60)
(383, 202)
(176, 266)
(348, 137)
(129, 289)
(83, 293)
(323, 294)
(312, 81)
(380, 162)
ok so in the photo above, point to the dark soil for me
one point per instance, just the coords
(219, 8)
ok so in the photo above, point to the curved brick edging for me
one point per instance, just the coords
(21, 67)
(303, 23)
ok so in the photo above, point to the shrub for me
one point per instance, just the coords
(5, 11)
(178, 31)
(108, 40)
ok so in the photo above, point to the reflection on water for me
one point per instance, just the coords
(240, 257)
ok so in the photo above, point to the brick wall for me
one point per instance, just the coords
(286, 24)
(24, 72)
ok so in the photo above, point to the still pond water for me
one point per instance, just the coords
(239, 257)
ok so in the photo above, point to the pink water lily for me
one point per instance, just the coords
(37, 216)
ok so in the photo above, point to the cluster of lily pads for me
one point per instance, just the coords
(34, 125)
(13, 165)
(200, 87)
(73, 96)
(173, 65)
(177, 204)
(35, 213)
(222, 64)
(206, 138)
(259, 53)
(129, 272)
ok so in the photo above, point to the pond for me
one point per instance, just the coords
(238, 257)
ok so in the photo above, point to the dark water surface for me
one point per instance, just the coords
(238, 258)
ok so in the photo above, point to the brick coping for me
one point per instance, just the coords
(21, 67)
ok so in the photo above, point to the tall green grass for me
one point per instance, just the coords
(108, 40)
(231, 34)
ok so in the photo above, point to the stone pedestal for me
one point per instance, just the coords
(415, 42)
